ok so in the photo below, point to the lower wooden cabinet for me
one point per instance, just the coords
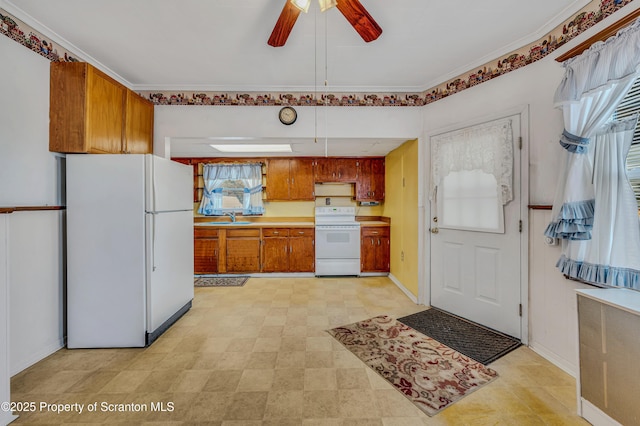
(252, 250)
(242, 254)
(205, 250)
(375, 253)
(288, 250)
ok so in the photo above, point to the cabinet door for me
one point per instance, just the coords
(368, 254)
(377, 179)
(277, 179)
(105, 113)
(371, 180)
(205, 259)
(363, 184)
(302, 251)
(383, 254)
(346, 169)
(324, 170)
(275, 254)
(138, 125)
(302, 180)
(67, 100)
(243, 254)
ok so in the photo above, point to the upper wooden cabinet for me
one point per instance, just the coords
(290, 179)
(332, 169)
(138, 133)
(92, 113)
(370, 183)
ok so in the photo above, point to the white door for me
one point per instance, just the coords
(475, 246)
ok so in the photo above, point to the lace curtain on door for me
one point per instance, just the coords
(585, 214)
(487, 147)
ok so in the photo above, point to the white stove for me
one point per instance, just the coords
(337, 241)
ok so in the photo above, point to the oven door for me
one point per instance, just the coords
(338, 242)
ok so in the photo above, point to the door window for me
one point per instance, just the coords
(468, 200)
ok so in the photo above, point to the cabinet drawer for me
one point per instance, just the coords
(302, 232)
(275, 232)
(253, 232)
(202, 232)
(375, 231)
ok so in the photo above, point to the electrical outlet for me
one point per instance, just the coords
(327, 201)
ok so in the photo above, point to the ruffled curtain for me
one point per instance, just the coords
(215, 175)
(593, 86)
(487, 147)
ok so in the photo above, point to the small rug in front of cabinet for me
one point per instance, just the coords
(430, 374)
(473, 340)
(220, 281)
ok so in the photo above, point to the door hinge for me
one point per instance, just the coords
(520, 142)
(520, 226)
(520, 309)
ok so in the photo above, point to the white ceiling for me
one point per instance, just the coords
(221, 45)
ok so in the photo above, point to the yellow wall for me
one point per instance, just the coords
(401, 205)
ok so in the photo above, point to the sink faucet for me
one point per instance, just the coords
(232, 215)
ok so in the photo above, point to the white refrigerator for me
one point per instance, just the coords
(129, 248)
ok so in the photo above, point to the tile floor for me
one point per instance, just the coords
(259, 355)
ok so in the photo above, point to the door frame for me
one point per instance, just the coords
(424, 207)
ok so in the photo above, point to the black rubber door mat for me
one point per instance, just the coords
(473, 340)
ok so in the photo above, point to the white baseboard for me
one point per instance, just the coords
(6, 417)
(39, 356)
(407, 293)
(561, 363)
(595, 416)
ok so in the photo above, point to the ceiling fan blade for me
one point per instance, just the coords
(284, 25)
(360, 19)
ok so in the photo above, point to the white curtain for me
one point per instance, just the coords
(214, 175)
(487, 147)
(593, 86)
(612, 255)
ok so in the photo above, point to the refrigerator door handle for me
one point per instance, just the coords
(153, 241)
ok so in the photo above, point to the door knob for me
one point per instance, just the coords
(434, 230)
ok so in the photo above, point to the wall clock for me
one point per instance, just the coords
(287, 115)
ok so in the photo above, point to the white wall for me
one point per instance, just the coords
(262, 122)
(29, 176)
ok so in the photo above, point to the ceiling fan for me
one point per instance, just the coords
(353, 10)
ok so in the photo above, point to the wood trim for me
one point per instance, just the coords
(539, 207)
(8, 210)
(611, 30)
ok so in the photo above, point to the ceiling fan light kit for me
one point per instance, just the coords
(327, 4)
(303, 5)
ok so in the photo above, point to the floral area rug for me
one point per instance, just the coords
(432, 375)
(219, 281)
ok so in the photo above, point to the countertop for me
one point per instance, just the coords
(276, 223)
(258, 224)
